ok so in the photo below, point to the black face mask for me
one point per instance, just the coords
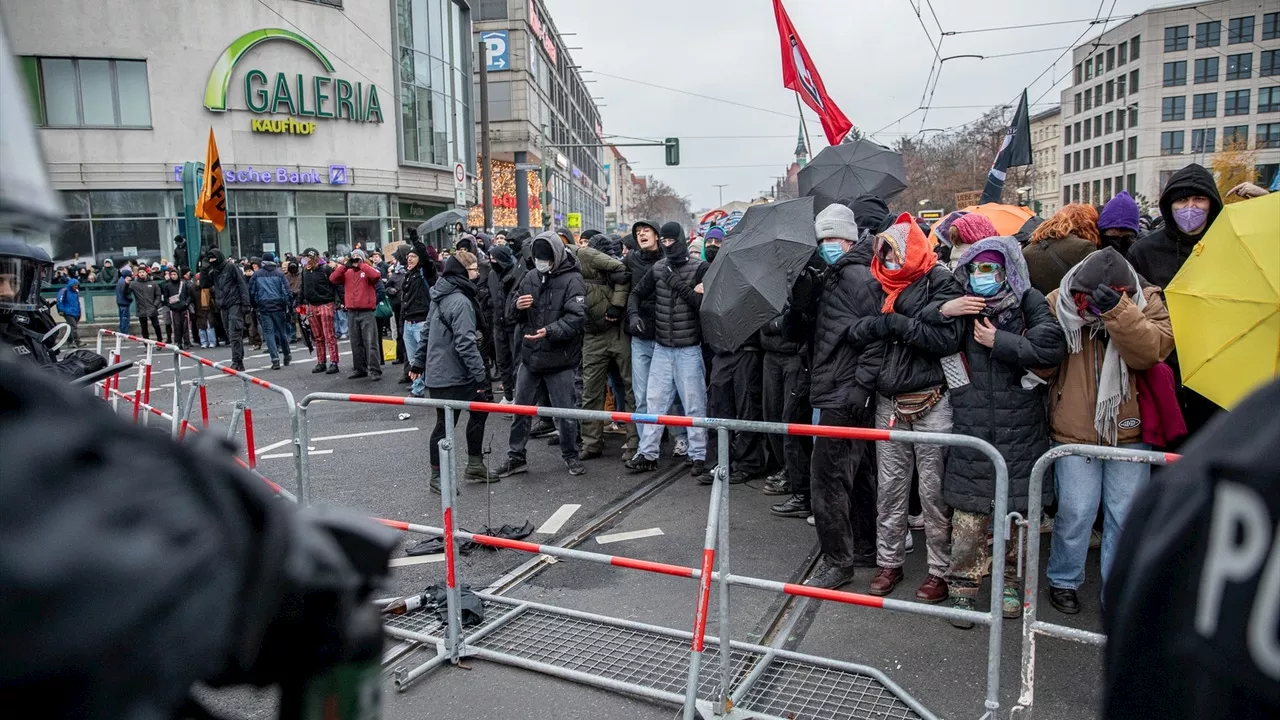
(711, 252)
(677, 253)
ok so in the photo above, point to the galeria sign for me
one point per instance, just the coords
(292, 94)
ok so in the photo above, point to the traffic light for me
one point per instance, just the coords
(673, 150)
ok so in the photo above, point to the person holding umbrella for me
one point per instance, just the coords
(911, 395)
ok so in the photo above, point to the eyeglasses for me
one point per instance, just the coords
(985, 268)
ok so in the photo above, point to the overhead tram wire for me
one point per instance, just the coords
(1091, 21)
(700, 95)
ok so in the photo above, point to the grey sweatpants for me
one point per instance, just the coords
(894, 465)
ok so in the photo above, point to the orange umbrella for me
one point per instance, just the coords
(1008, 219)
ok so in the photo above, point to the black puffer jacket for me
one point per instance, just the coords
(790, 332)
(676, 322)
(415, 295)
(995, 407)
(1159, 254)
(559, 305)
(844, 373)
(227, 280)
(316, 288)
(639, 263)
(912, 361)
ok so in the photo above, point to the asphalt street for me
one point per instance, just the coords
(366, 458)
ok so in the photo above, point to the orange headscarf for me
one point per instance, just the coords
(912, 248)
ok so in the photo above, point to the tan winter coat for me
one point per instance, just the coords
(1144, 338)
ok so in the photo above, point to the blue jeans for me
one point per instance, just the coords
(208, 337)
(1082, 483)
(675, 372)
(124, 318)
(272, 323)
(412, 341)
(641, 361)
(340, 322)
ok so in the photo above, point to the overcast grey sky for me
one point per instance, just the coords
(872, 54)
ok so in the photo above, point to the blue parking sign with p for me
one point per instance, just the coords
(497, 52)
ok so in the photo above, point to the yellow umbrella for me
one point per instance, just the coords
(1225, 303)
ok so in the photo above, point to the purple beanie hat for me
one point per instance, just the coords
(1120, 213)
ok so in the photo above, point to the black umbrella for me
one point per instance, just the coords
(848, 170)
(305, 324)
(748, 284)
(441, 220)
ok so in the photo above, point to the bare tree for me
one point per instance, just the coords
(658, 202)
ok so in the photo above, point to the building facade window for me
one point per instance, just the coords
(1079, 74)
(1097, 156)
(1133, 116)
(489, 10)
(1106, 155)
(1171, 142)
(1079, 104)
(1173, 108)
(1111, 59)
(1271, 26)
(1269, 63)
(1111, 90)
(1240, 67)
(1175, 38)
(1097, 96)
(1131, 183)
(1097, 126)
(1175, 73)
(1109, 125)
(1208, 34)
(88, 92)
(1269, 99)
(1202, 141)
(1124, 53)
(1204, 106)
(1120, 86)
(1268, 135)
(1206, 70)
(1236, 102)
(1240, 30)
(1235, 135)
(1135, 44)
(1119, 151)
(433, 42)
(1133, 148)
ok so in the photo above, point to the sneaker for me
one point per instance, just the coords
(357, 375)
(319, 368)
(910, 543)
(776, 484)
(333, 369)
(512, 466)
(288, 359)
(238, 366)
(698, 468)
(590, 454)
(477, 471)
(553, 440)
(275, 364)
(639, 463)
(681, 448)
(738, 477)
(1011, 601)
(962, 603)
(434, 482)
(375, 377)
(796, 506)
(575, 466)
(915, 522)
(811, 521)
(1046, 524)
(885, 581)
(830, 576)
(1064, 600)
(932, 590)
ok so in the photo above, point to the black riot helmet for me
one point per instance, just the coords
(23, 269)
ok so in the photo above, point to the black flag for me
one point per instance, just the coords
(1015, 151)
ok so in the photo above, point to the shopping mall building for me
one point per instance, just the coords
(323, 141)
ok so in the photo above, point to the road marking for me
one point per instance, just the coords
(633, 535)
(365, 434)
(558, 519)
(289, 454)
(416, 560)
(273, 446)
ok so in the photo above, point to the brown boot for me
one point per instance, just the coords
(885, 581)
(932, 590)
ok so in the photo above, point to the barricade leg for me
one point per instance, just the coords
(177, 390)
(248, 439)
(720, 479)
(726, 666)
(204, 397)
(996, 629)
(453, 599)
(302, 438)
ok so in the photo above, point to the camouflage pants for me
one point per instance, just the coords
(970, 556)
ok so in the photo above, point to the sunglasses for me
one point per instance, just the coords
(985, 268)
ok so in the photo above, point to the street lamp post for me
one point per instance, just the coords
(721, 188)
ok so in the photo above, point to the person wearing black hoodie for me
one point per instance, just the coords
(1189, 205)
(502, 277)
(551, 306)
(231, 293)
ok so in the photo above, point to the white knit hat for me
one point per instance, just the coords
(836, 221)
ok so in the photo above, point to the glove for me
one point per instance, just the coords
(860, 405)
(614, 313)
(895, 325)
(484, 391)
(1106, 298)
(635, 326)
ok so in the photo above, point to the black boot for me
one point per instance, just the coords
(796, 506)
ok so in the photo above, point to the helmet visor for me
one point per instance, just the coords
(20, 280)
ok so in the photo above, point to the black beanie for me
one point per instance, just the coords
(671, 230)
(588, 234)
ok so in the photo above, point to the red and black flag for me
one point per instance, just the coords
(799, 74)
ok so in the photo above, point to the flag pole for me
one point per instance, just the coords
(807, 143)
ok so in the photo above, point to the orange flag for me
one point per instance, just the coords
(212, 203)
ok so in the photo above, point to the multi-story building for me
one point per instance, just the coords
(325, 138)
(1046, 144)
(1170, 87)
(619, 184)
(541, 114)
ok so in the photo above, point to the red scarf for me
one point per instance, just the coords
(906, 239)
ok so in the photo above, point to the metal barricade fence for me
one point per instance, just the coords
(180, 415)
(729, 699)
(1030, 625)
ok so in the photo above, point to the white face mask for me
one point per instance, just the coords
(542, 265)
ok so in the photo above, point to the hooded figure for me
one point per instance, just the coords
(639, 260)
(551, 305)
(147, 302)
(1189, 205)
(912, 394)
(503, 274)
(1009, 331)
(108, 274)
(70, 309)
(231, 295)
(608, 244)
(1116, 326)
(872, 213)
(1118, 224)
(711, 244)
